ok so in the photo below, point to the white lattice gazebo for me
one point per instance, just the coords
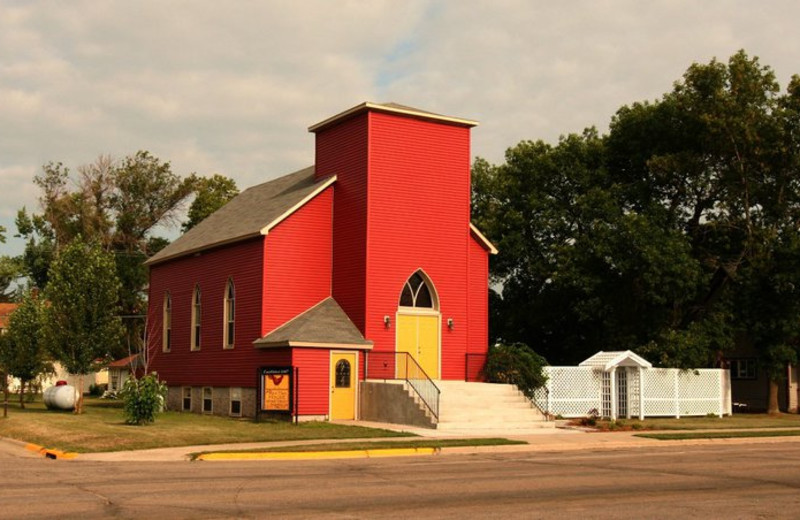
(623, 384)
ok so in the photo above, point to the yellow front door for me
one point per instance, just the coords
(343, 385)
(418, 334)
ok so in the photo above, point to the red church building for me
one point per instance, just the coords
(361, 268)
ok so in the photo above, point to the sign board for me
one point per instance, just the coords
(276, 389)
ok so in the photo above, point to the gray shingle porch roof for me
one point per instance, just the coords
(323, 325)
(251, 213)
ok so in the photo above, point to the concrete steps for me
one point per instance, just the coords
(470, 407)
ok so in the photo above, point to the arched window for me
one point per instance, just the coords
(166, 339)
(196, 313)
(230, 313)
(343, 374)
(418, 292)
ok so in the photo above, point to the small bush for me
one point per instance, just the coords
(143, 399)
(637, 426)
(591, 418)
(516, 364)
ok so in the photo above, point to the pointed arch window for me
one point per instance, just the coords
(418, 292)
(166, 339)
(196, 314)
(230, 314)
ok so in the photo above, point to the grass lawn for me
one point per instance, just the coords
(719, 435)
(733, 422)
(102, 428)
(378, 445)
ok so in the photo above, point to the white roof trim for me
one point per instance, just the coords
(396, 110)
(609, 360)
(286, 214)
(483, 239)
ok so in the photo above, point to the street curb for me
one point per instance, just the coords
(312, 455)
(50, 453)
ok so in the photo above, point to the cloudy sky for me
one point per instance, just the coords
(231, 87)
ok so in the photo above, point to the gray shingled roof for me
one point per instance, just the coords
(323, 324)
(245, 215)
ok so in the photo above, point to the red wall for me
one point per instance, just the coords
(341, 150)
(313, 380)
(419, 192)
(478, 293)
(297, 262)
(211, 365)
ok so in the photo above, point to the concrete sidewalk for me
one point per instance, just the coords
(550, 440)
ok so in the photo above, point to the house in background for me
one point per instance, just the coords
(352, 269)
(121, 370)
(5, 313)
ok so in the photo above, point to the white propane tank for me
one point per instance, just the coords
(61, 397)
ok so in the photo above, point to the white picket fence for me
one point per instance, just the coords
(634, 392)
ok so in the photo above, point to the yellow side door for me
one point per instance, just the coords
(428, 333)
(343, 385)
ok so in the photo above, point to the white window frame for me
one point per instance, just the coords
(229, 318)
(233, 391)
(210, 399)
(184, 397)
(197, 313)
(166, 334)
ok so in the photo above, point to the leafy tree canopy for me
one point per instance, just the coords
(675, 234)
(211, 193)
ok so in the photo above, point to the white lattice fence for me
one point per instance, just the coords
(570, 391)
(574, 391)
(673, 392)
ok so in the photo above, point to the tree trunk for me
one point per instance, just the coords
(5, 393)
(79, 404)
(22, 394)
(772, 399)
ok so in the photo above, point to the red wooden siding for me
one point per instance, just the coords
(341, 150)
(313, 366)
(478, 285)
(211, 365)
(297, 262)
(419, 192)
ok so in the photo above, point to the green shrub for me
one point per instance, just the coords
(516, 364)
(143, 399)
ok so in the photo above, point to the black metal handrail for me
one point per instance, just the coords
(401, 365)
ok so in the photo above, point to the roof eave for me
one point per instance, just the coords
(482, 239)
(389, 109)
(310, 344)
(305, 200)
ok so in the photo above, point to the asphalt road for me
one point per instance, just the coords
(736, 481)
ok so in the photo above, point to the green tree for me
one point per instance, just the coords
(211, 193)
(675, 234)
(82, 320)
(116, 203)
(22, 352)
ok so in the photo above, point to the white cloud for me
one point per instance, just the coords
(231, 88)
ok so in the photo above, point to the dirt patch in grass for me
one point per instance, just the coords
(719, 435)
(102, 428)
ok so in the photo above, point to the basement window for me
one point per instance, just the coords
(236, 402)
(208, 401)
(187, 399)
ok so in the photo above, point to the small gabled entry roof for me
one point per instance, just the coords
(619, 358)
(253, 212)
(324, 325)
